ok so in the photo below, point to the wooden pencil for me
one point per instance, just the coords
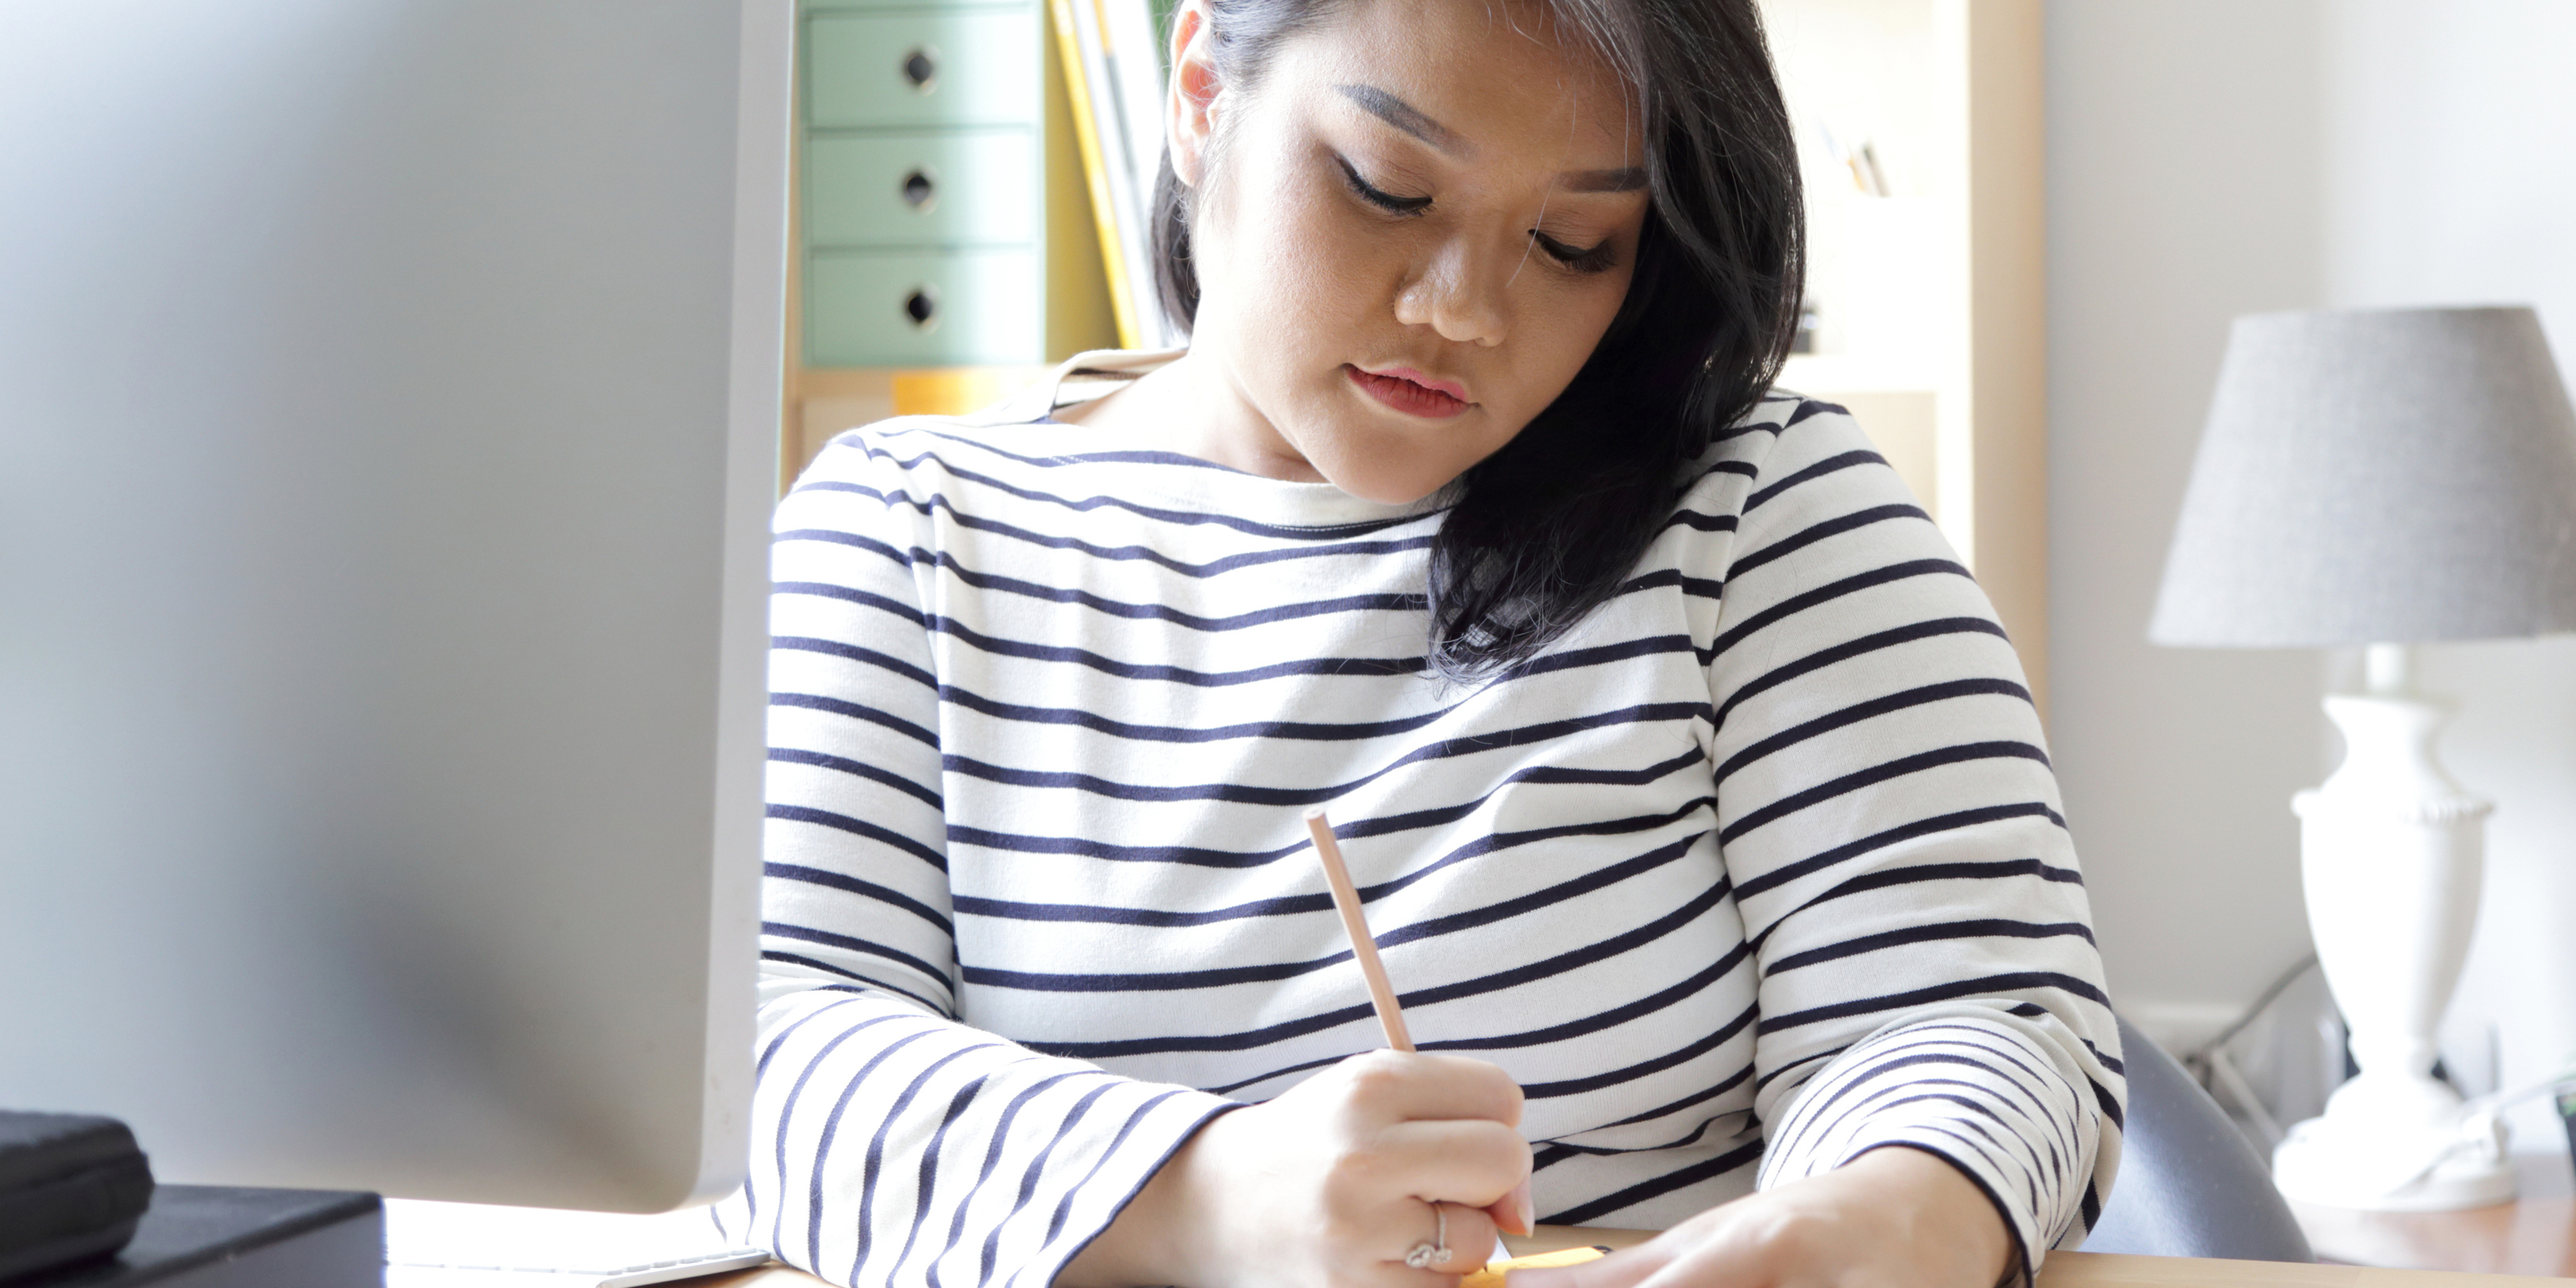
(1346, 899)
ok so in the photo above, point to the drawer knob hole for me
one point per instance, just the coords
(922, 306)
(919, 191)
(921, 68)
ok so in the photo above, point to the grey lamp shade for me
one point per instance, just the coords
(2385, 476)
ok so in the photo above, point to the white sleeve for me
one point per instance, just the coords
(1890, 824)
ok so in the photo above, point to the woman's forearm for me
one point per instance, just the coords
(1895, 1217)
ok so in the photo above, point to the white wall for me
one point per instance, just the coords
(2211, 157)
(2184, 188)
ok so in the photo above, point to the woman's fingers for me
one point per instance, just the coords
(1384, 1252)
(1514, 1212)
(1332, 1182)
(1471, 1240)
(1618, 1270)
(1462, 1160)
(1404, 1086)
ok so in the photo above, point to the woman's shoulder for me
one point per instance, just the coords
(909, 445)
(1790, 471)
(1784, 433)
(1016, 431)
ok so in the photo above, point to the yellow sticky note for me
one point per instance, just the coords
(1492, 1276)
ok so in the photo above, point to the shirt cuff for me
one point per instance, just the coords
(1969, 1089)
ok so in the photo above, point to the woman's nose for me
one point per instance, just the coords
(1460, 292)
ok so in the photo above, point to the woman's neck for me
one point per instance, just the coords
(1190, 407)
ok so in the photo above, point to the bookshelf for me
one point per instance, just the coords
(1927, 269)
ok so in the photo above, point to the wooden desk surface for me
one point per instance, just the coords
(2062, 1270)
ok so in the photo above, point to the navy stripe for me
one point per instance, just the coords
(1829, 465)
(851, 943)
(865, 889)
(1827, 593)
(1988, 926)
(1029, 1178)
(999, 1134)
(1900, 767)
(1586, 1213)
(1026, 651)
(1476, 744)
(1270, 1034)
(1814, 533)
(1178, 518)
(875, 1154)
(1064, 1206)
(1431, 928)
(797, 959)
(1870, 709)
(843, 765)
(787, 1112)
(1999, 870)
(857, 711)
(859, 828)
(1808, 407)
(1297, 904)
(1867, 644)
(1949, 990)
(925, 1184)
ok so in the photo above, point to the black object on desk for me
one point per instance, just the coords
(210, 1236)
(72, 1187)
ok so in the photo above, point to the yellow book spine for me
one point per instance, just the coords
(1095, 173)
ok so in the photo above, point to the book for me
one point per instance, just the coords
(1114, 75)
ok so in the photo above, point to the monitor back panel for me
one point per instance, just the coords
(388, 410)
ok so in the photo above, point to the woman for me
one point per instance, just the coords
(1696, 798)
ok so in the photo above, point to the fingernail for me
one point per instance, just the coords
(1523, 1208)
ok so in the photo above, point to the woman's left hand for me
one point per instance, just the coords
(1892, 1218)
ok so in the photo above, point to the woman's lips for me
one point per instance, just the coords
(1411, 392)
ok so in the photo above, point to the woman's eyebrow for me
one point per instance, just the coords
(1406, 117)
(1410, 119)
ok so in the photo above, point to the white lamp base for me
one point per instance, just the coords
(2390, 852)
(2370, 1161)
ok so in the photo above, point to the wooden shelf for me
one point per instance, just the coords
(1930, 289)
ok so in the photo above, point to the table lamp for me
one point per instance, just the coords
(2383, 478)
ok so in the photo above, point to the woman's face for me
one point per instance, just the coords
(1409, 235)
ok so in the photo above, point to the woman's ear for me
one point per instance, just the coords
(1192, 104)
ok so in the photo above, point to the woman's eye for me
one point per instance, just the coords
(1386, 201)
(1594, 259)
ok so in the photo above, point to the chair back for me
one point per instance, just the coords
(2189, 1184)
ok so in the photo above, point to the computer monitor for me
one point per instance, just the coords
(389, 407)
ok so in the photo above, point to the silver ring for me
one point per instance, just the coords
(1435, 1253)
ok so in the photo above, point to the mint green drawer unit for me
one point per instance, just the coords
(965, 188)
(924, 68)
(924, 308)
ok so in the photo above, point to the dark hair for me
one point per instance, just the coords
(1551, 525)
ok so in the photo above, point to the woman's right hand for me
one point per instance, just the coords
(1331, 1184)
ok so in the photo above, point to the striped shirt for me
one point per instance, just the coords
(1759, 867)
